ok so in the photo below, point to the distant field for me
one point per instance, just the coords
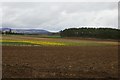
(35, 41)
(36, 57)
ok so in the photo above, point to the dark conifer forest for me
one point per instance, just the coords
(102, 33)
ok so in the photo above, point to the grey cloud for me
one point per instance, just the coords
(55, 16)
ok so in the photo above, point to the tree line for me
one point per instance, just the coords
(10, 32)
(102, 33)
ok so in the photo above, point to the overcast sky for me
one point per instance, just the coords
(56, 16)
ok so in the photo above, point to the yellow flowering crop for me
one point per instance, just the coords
(35, 42)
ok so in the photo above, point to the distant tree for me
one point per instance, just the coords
(103, 33)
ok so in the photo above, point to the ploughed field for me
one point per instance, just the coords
(83, 59)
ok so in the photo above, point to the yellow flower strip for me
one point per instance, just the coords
(35, 42)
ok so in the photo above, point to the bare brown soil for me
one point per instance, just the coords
(46, 62)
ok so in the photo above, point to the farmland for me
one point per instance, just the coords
(38, 57)
(35, 41)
